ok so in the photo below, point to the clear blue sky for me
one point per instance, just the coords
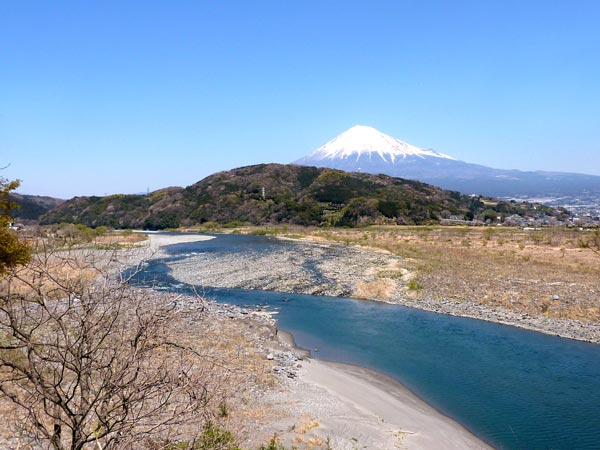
(120, 96)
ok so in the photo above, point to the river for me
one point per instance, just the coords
(514, 388)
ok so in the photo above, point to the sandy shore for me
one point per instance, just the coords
(157, 240)
(151, 248)
(352, 407)
(359, 406)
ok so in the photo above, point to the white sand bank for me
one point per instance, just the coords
(157, 239)
(359, 408)
(160, 240)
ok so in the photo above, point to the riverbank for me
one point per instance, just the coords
(348, 407)
(316, 403)
(325, 268)
(378, 411)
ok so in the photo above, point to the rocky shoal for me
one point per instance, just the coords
(338, 270)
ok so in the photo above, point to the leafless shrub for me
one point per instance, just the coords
(89, 360)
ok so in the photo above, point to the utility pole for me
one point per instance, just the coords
(263, 193)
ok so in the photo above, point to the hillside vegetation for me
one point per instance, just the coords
(274, 193)
(32, 207)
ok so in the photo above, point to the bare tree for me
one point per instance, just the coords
(89, 360)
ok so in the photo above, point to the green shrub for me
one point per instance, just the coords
(414, 285)
(263, 232)
(233, 224)
(216, 438)
(209, 225)
(272, 445)
(223, 412)
(488, 233)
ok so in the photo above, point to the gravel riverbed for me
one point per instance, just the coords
(344, 271)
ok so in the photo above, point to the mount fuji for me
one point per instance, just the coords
(365, 149)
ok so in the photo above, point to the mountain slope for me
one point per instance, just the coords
(274, 193)
(364, 149)
(31, 207)
(157, 210)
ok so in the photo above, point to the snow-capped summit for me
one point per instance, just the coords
(361, 141)
(365, 149)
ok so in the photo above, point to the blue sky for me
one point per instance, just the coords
(107, 97)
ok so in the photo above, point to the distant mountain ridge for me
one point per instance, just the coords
(365, 149)
(275, 193)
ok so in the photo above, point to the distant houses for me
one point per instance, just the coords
(15, 226)
(527, 222)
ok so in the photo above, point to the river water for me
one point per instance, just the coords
(514, 388)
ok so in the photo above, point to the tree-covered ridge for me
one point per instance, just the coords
(274, 193)
(32, 207)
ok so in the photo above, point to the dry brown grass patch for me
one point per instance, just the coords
(523, 271)
(381, 289)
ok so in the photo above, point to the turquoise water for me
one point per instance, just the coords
(514, 388)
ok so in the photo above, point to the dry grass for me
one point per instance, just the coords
(541, 273)
(308, 442)
(308, 425)
(120, 240)
(244, 372)
(71, 262)
(382, 288)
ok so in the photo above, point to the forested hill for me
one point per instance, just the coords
(274, 193)
(31, 207)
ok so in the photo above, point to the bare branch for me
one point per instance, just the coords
(90, 360)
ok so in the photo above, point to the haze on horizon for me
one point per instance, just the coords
(120, 97)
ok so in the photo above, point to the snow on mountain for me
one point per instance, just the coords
(365, 149)
(360, 141)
